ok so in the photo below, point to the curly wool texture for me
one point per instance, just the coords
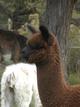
(19, 86)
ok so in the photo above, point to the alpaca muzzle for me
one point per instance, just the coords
(26, 52)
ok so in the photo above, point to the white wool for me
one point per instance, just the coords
(19, 86)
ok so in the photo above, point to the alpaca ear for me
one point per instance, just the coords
(31, 28)
(44, 32)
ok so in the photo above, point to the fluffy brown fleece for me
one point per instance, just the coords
(53, 90)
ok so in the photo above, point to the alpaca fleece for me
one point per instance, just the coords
(11, 43)
(19, 86)
(53, 90)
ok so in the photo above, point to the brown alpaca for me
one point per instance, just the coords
(11, 42)
(43, 50)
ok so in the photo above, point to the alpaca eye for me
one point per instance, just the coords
(38, 46)
(32, 46)
(35, 46)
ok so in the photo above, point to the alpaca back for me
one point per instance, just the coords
(19, 82)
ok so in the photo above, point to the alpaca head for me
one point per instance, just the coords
(38, 46)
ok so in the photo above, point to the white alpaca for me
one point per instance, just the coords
(19, 86)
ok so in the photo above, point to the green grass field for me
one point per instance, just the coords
(74, 78)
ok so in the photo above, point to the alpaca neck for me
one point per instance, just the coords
(51, 83)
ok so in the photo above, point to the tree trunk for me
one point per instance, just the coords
(57, 18)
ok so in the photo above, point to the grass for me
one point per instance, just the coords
(74, 78)
(75, 14)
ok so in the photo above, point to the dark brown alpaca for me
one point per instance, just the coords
(11, 42)
(43, 50)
